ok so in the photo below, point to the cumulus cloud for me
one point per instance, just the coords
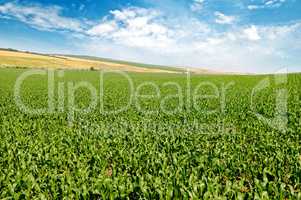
(150, 35)
(251, 33)
(195, 43)
(46, 18)
(103, 29)
(224, 19)
(133, 26)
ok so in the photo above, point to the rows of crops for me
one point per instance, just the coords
(210, 148)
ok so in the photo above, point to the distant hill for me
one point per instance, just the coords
(136, 64)
(25, 59)
(22, 59)
(151, 66)
(9, 49)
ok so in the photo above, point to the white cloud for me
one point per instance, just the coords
(197, 5)
(46, 18)
(253, 7)
(267, 4)
(224, 19)
(251, 33)
(137, 27)
(149, 35)
(195, 43)
(103, 29)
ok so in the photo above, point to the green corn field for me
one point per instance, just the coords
(164, 136)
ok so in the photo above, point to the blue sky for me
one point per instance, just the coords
(226, 35)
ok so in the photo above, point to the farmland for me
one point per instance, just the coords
(20, 59)
(169, 144)
(14, 58)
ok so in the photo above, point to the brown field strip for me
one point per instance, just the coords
(28, 60)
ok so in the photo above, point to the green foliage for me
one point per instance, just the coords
(227, 154)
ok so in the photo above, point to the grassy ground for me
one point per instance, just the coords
(190, 154)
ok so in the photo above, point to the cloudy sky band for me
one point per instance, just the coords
(153, 34)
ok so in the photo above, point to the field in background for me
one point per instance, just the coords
(191, 154)
(20, 59)
(175, 69)
(31, 60)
